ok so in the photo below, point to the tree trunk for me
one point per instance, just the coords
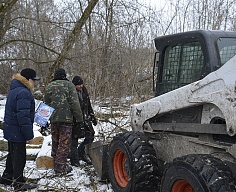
(5, 10)
(71, 39)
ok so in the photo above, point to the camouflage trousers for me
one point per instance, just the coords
(61, 141)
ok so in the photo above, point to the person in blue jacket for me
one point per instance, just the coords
(18, 127)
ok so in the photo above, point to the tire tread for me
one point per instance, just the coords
(212, 170)
(145, 164)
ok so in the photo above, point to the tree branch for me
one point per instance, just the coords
(71, 38)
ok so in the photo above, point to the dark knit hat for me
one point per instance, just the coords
(60, 74)
(77, 80)
(29, 74)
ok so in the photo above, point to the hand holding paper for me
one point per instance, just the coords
(43, 113)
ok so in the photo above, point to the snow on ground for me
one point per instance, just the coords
(81, 179)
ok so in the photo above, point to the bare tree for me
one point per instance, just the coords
(72, 38)
(109, 43)
(5, 15)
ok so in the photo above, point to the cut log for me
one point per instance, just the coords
(1, 125)
(37, 141)
(3, 145)
(31, 149)
(30, 157)
(44, 159)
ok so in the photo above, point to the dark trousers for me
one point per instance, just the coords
(15, 162)
(74, 158)
(89, 137)
(61, 141)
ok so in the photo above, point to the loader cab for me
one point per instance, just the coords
(188, 57)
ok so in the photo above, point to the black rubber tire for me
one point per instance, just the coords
(204, 173)
(140, 163)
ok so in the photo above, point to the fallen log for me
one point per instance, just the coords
(44, 159)
(35, 143)
(3, 145)
(37, 140)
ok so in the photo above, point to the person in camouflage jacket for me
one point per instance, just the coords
(61, 95)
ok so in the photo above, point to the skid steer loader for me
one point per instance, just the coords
(183, 139)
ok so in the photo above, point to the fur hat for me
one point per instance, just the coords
(29, 74)
(60, 74)
(77, 80)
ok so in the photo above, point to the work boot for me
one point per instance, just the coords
(86, 159)
(65, 170)
(23, 186)
(75, 163)
(5, 181)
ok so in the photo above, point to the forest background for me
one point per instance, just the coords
(109, 43)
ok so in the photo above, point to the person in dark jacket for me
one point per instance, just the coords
(18, 127)
(88, 131)
(61, 95)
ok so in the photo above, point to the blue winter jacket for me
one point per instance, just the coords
(19, 111)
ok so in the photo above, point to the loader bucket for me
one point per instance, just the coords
(98, 153)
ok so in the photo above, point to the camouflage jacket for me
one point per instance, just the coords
(62, 96)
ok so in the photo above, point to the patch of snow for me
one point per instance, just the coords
(82, 179)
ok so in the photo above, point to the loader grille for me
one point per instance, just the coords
(227, 49)
(182, 65)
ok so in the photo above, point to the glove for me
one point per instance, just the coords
(78, 130)
(45, 130)
(79, 125)
(94, 120)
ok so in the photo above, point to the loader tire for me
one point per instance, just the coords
(197, 173)
(133, 164)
